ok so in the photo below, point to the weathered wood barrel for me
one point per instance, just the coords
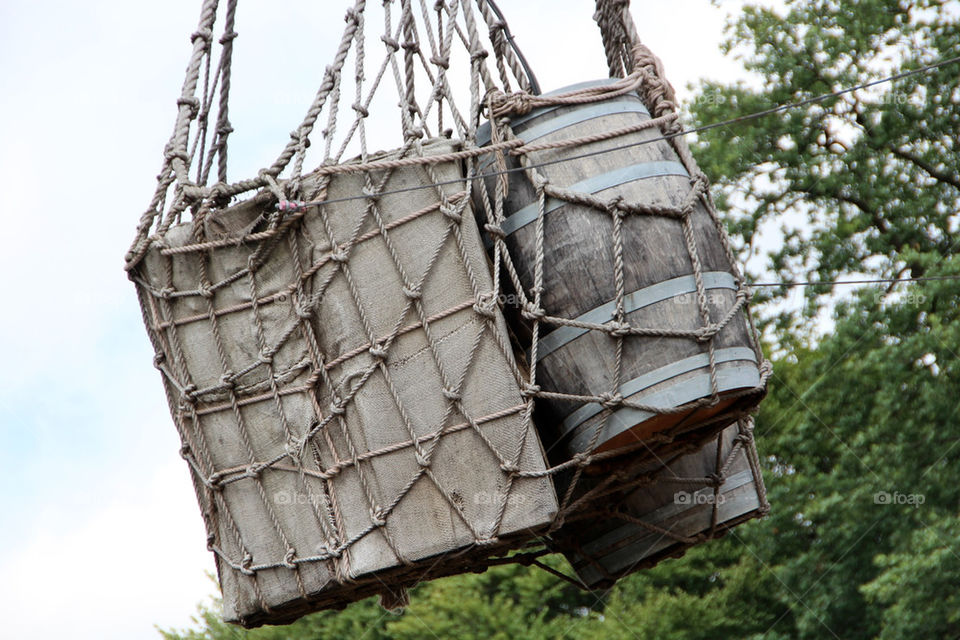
(667, 517)
(579, 277)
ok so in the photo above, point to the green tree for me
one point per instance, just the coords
(865, 183)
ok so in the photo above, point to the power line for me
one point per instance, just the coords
(683, 132)
(864, 281)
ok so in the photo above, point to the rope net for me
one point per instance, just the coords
(366, 395)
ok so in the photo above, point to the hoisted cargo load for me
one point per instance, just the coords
(355, 410)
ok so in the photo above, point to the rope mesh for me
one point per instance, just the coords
(354, 381)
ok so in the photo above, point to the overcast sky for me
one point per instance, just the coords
(100, 535)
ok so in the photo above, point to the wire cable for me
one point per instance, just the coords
(683, 132)
(812, 283)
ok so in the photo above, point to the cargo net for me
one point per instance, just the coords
(354, 378)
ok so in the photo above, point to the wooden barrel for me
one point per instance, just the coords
(579, 283)
(667, 517)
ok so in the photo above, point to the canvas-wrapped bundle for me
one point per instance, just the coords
(344, 391)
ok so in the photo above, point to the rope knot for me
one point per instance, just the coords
(452, 395)
(487, 542)
(378, 351)
(412, 294)
(193, 102)
(228, 36)
(190, 393)
(304, 309)
(391, 43)
(715, 479)
(203, 34)
(422, 459)
(613, 206)
(339, 255)
(706, 333)
(509, 468)
(360, 109)
(440, 62)
(159, 359)
(495, 230)
(451, 213)
(582, 459)
(337, 406)
(501, 104)
(204, 290)
(294, 449)
(228, 379)
(530, 312)
(618, 329)
(611, 400)
(377, 517)
(288, 559)
(266, 358)
(254, 470)
(486, 305)
(245, 564)
(530, 390)
(478, 54)
(214, 481)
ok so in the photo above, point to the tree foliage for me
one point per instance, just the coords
(859, 434)
(865, 183)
